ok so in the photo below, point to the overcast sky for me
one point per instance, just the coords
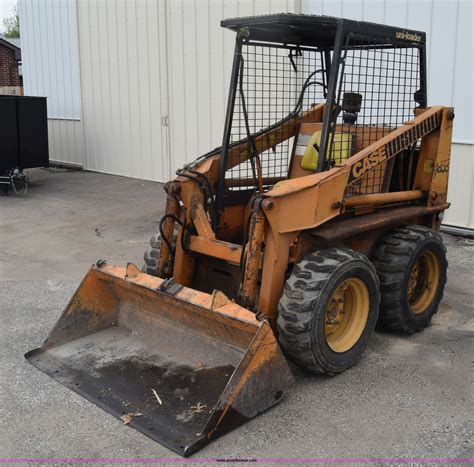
(6, 10)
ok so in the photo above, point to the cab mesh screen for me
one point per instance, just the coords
(376, 94)
(271, 80)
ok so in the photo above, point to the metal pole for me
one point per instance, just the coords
(329, 107)
(227, 128)
(327, 67)
(423, 86)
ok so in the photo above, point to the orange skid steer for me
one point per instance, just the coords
(313, 223)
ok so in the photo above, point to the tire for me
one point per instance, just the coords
(152, 255)
(312, 323)
(411, 264)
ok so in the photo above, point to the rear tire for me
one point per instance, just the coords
(328, 310)
(411, 264)
(152, 255)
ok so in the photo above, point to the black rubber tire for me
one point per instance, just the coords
(150, 266)
(302, 309)
(394, 258)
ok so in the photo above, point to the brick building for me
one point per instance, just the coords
(10, 59)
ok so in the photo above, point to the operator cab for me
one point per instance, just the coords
(307, 93)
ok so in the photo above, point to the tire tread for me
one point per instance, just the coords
(296, 306)
(390, 259)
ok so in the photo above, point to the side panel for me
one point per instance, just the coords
(32, 132)
(23, 132)
(439, 181)
(8, 133)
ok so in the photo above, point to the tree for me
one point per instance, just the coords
(11, 25)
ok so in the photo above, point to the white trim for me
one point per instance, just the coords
(65, 119)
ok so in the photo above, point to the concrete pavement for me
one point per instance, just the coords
(410, 396)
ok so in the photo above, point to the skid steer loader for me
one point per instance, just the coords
(314, 221)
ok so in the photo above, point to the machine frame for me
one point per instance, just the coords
(280, 234)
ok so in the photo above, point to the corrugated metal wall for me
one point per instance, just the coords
(50, 58)
(123, 78)
(199, 64)
(461, 187)
(154, 80)
(50, 64)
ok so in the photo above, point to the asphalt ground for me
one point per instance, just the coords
(409, 397)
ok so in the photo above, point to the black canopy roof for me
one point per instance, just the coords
(317, 31)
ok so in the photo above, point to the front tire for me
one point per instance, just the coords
(328, 310)
(411, 264)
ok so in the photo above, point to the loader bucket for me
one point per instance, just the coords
(181, 366)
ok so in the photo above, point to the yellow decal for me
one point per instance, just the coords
(428, 165)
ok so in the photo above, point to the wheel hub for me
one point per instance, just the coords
(336, 305)
(347, 312)
(423, 282)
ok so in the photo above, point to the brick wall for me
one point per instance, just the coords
(8, 67)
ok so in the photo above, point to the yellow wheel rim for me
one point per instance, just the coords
(423, 282)
(346, 315)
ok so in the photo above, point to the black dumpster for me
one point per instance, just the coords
(23, 138)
